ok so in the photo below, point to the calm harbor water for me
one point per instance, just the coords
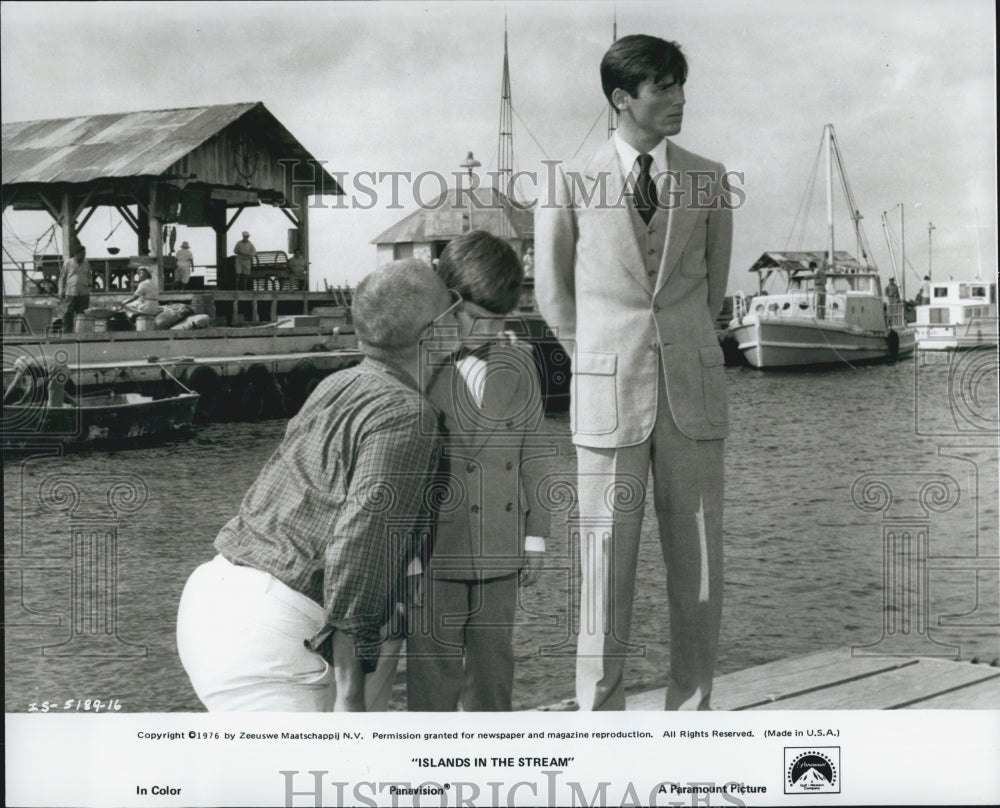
(820, 465)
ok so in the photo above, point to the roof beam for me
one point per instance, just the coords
(130, 220)
(49, 206)
(236, 216)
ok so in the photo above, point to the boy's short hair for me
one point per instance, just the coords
(484, 269)
(634, 59)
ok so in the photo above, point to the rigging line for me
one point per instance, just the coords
(12, 236)
(833, 348)
(859, 229)
(906, 261)
(597, 120)
(805, 204)
(530, 133)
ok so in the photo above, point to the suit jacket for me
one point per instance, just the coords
(618, 324)
(488, 501)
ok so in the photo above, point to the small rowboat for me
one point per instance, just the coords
(97, 418)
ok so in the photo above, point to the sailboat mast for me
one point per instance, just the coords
(902, 248)
(828, 138)
(505, 145)
(612, 112)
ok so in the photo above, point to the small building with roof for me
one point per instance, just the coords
(198, 166)
(426, 232)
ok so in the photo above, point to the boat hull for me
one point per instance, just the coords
(126, 346)
(978, 333)
(776, 344)
(97, 419)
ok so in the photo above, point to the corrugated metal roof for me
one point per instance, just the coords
(132, 144)
(448, 217)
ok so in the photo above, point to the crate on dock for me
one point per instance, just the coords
(331, 316)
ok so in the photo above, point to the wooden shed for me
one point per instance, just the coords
(197, 166)
(425, 233)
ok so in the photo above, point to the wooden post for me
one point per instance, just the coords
(302, 211)
(66, 224)
(218, 219)
(156, 237)
(142, 217)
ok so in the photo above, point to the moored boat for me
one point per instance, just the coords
(958, 314)
(849, 323)
(98, 418)
(831, 310)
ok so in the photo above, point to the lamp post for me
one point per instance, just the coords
(470, 164)
(930, 229)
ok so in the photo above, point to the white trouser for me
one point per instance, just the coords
(241, 637)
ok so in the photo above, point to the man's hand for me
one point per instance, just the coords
(533, 563)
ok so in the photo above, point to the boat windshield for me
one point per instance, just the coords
(836, 282)
(974, 290)
(853, 283)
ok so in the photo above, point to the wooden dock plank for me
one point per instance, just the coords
(888, 689)
(766, 683)
(983, 695)
(836, 679)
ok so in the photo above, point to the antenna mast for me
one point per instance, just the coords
(612, 112)
(505, 146)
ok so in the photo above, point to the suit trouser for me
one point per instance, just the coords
(460, 645)
(687, 496)
(240, 635)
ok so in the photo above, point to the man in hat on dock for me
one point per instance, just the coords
(631, 277)
(245, 252)
(289, 615)
(74, 287)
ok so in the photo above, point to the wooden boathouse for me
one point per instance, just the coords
(198, 167)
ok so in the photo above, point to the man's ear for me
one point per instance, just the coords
(620, 98)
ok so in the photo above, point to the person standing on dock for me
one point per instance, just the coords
(185, 263)
(74, 287)
(245, 252)
(288, 616)
(631, 277)
(491, 538)
(300, 273)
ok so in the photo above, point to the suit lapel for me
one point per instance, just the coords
(612, 211)
(681, 218)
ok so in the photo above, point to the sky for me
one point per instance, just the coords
(908, 84)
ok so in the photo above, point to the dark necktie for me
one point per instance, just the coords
(646, 199)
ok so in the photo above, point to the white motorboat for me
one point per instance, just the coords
(959, 314)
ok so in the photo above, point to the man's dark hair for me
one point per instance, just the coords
(634, 59)
(484, 269)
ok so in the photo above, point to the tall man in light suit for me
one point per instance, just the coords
(631, 259)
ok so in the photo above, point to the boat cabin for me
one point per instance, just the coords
(955, 302)
(839, 283)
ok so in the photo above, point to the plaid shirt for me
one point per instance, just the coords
(338, 510)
